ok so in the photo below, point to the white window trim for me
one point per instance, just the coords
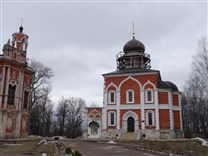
(127, 96)
(109, 118)
(147, 118)
(109, 97)
(146, 96)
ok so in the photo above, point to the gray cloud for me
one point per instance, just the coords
(80, 40)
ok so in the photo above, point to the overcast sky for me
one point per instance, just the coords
(80, 40)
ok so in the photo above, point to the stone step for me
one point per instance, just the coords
(128, 136)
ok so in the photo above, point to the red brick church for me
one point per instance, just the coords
(137, 102)
(15, 85)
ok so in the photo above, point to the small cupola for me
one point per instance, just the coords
(20, 40)
(134, 45)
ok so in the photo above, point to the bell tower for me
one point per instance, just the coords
(133, 55)
(20, 40)
(18, 48)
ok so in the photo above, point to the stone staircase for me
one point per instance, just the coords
(128, 136)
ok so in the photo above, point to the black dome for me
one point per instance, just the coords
(133, 45)
(167, 85)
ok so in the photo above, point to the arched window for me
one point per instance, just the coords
(149, 95)
(26, 99)
(11, 94)
(111, 118)
(111, 97)
(130, 96)
(150, 118)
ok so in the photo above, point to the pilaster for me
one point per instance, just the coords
(181, 117)
(118, 109)
(170, 99)
(142, 109)
(2, 87)
(7, 88)
(157, 109)
(104, 115)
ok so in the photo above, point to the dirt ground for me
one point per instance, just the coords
(25, 148)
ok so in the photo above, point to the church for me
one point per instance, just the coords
(15, 87)
(137, 103)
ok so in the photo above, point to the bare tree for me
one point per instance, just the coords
(75, 117)
(41, 79)
(70, 116)
(41, 87)
(61, 114)
(42, 114)
(195, 95)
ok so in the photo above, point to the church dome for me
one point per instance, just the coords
(133, 45)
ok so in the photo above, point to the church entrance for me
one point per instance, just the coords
(94, 128)
(130, 124)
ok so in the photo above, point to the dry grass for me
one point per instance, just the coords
(25, 148)
(174, 147)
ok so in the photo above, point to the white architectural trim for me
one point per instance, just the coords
(149, 82)
(157, 109)
(130, 78)
(109, 97)
(89, 130)
(127, 96)
(181, 121)
(125, 118)
(132, 74)
(118, 109)
(109, 118)
(142, 109)
(171, 117)
(164, 106)
(7, 87)
(149, 106)
(111, 84)
(130, 106)
(92, 113)
(147, 117)
(146, 96)
(176, 108)
(2, 86)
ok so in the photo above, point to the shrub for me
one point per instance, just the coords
(68, 150)
(56, 138)
(76, 153)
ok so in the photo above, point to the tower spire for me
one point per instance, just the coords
(21, 27)
(133, 31)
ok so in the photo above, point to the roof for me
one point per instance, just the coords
(131, 70)
(133, 45)
(167, 85)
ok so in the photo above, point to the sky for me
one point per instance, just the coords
(79, 40)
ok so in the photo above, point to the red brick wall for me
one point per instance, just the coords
(175, 100)
(164, 119)
(130, 84)
(99, 109)
(177, 119)
(163, 97)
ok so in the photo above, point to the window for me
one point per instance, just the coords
(25, 99)
(150, 118)
(149, 95)
(11, 95)
(111, 118)
(111, 97)
(130, 96)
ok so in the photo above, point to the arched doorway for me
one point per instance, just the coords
(94, 128)
(130, 124)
